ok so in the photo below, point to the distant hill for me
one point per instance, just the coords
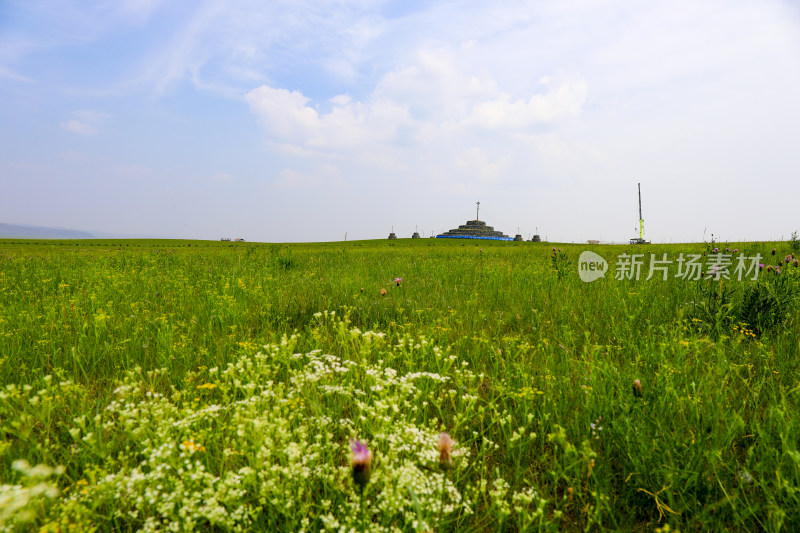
(34, 232)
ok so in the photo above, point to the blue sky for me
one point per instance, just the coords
(306, 120)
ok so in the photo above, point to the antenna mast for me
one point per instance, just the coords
(641, 220)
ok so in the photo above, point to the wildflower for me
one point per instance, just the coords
(596, 427)
(445, 451)
(736, 250)
(192, 446)
(715, 250)
(796, 262)
(787, 259)
(398, 281)
(761, 266)
(774, 250)
(727, 250)
(383, 292)
(745, 477)
(637, 388)
(360, 462)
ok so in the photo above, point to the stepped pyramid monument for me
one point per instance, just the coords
(475, 229)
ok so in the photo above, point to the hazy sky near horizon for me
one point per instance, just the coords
(305, 120)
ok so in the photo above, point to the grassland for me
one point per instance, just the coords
(183, 385)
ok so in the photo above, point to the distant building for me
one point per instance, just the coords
(475, 229)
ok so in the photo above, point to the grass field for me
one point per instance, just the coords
(210, 386)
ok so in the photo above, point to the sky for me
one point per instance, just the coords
(284, 121)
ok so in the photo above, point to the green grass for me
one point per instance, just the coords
(215, 386)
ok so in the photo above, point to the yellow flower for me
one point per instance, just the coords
(192, 446)
(208, 386)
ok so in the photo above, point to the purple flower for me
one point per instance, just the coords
(398, 281)
(360, 462)
(637, 388)
(761, 265)
(715, 250)
(736, 250)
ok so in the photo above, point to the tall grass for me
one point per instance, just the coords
(201, 385)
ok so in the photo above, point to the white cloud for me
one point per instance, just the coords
(284, 114)
(91, 116)
(431, 122)
(86, 122)
(418, 104)
(81, 128)
(8, 74)
(563, 101)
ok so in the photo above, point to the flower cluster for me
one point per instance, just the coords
(262, 431)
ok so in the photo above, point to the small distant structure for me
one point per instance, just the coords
(593, 241)
(518, 238)
(475, 229)
(640, 239)
(225, 239)
(392, 235)
(416, 233)
(536, 238)
(238, 240)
